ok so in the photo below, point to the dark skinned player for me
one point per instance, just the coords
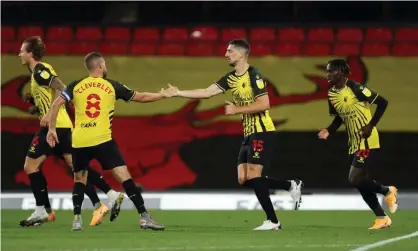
(349, 104)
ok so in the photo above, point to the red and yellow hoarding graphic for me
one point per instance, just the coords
(150, 135)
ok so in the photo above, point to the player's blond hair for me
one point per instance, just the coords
(90, 59)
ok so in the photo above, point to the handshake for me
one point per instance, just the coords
(170, 91)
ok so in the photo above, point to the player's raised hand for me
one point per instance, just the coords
(52, 138)
(170, 91)
(230, 108)
(323, 134)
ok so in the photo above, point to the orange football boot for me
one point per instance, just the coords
(381, 223)
(392, 199)
(98, 215)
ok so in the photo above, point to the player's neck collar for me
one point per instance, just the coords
(239, 75)
(34, 66)
(342, 87)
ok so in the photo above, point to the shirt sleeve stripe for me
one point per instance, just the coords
(261, 94)
(374, 99)
(65, 96)
(220, 87)
(133, 95)
(52, 77)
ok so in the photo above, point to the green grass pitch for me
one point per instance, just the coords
(209, 230)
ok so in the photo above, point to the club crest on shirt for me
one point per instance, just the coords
(44, 75)
(366, 92)
(260, 83)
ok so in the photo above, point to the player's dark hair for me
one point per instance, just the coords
(35, 46)
(90, 58)
(242, 43)
(340, 65)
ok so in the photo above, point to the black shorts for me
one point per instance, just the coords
(257, 148)
(107, 154)
(40, 146)
(363, 158)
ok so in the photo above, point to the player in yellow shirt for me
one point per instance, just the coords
(349, 102)
(250, 98)
(94, 99)
(45, 85)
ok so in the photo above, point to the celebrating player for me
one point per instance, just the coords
(349, 103)
(94, 100)
(250, 98)
(45, 84)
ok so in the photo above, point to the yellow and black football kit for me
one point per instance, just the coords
(94, 102)
(352, 104)
(43, 94)
(259, 129)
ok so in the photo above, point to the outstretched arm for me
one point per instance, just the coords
(127, 94)
(144, 97)
(211, 91)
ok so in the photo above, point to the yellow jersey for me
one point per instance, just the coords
(246, 88)
(94, 102)
(352, 104)
(43, 94)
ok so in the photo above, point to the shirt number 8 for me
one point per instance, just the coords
(95, 105)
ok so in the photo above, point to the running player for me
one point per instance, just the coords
(94, 99)
(349, 102)
(45, 84)
(250, 98)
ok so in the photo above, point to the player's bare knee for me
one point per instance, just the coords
(81, 176)
(121, 173)
(254, 171)
(68, 160)
(251, 176)
(241, 180)
(31, 166)
(242, 173)
(70, 166)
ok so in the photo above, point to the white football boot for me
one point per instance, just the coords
(268, 225)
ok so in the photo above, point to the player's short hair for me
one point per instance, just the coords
(340, 65)
(242, 43)
(35, 46)
(90, 58)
